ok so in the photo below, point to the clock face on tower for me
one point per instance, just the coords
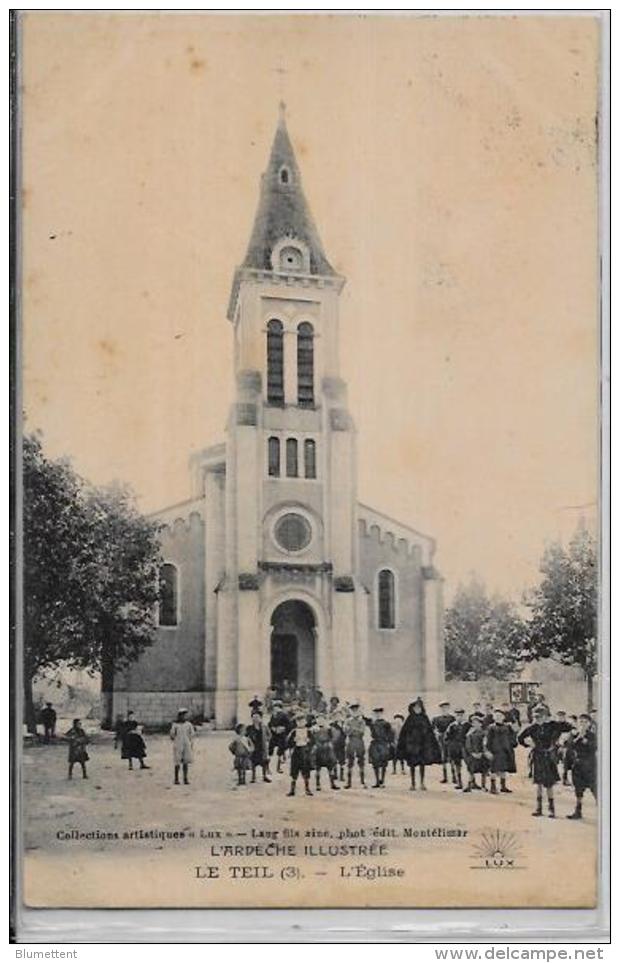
(293, 532)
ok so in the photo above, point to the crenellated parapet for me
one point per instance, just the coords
(393, 535)
(182, 517)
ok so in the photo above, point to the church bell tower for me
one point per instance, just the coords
(290, 609)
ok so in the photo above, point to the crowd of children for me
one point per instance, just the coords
(476, 751)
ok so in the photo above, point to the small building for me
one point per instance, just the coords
(275, 574)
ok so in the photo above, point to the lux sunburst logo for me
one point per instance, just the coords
(497, 849)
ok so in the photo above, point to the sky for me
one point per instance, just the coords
(450, 164)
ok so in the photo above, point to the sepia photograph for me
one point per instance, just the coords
(309, 387)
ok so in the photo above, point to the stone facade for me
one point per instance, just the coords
(276, 562)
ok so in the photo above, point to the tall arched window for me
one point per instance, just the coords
(274, 456)
(386, 590)
(275, 363)
(292, 469)
(168, 594)
(310, 458)
(305, 364)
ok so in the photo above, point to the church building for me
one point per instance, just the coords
(273, 570)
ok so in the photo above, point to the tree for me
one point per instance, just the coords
(483, 636)
(563, 623)
(90, 574)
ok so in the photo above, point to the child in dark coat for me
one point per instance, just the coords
(259, 735)
(381, 745)
(475, 755)
(440, 725)
(499, 746)
(322, 755)
(78, 740)
(542, 737)
(583, 748)
(133, 745)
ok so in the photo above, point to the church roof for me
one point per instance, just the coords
(283, 210)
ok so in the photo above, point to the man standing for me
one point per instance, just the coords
(48, 720)
(440, 723)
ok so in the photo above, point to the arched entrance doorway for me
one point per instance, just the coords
(293, 645)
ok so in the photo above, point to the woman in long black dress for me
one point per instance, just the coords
(417, 742)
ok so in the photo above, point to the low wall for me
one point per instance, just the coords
(570, 695)
(157, 708)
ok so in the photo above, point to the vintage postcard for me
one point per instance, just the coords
(309, 328)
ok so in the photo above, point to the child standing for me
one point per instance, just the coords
(336, 727)
(260, 737)
(355, 728)
(542, 738)
(182, 735)
(499, 746)
(440, 724)
(455, 736)
(583, 748)
(241, 748)
(133, 745)
(78, 740)
(381, 745)
(279, 726)
(323, 755)
(475, 756)
(300, 744)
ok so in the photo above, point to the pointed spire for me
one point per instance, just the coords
(282, 209)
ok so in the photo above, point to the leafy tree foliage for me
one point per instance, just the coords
(563, 624)
(483, 635)
(90, 573)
